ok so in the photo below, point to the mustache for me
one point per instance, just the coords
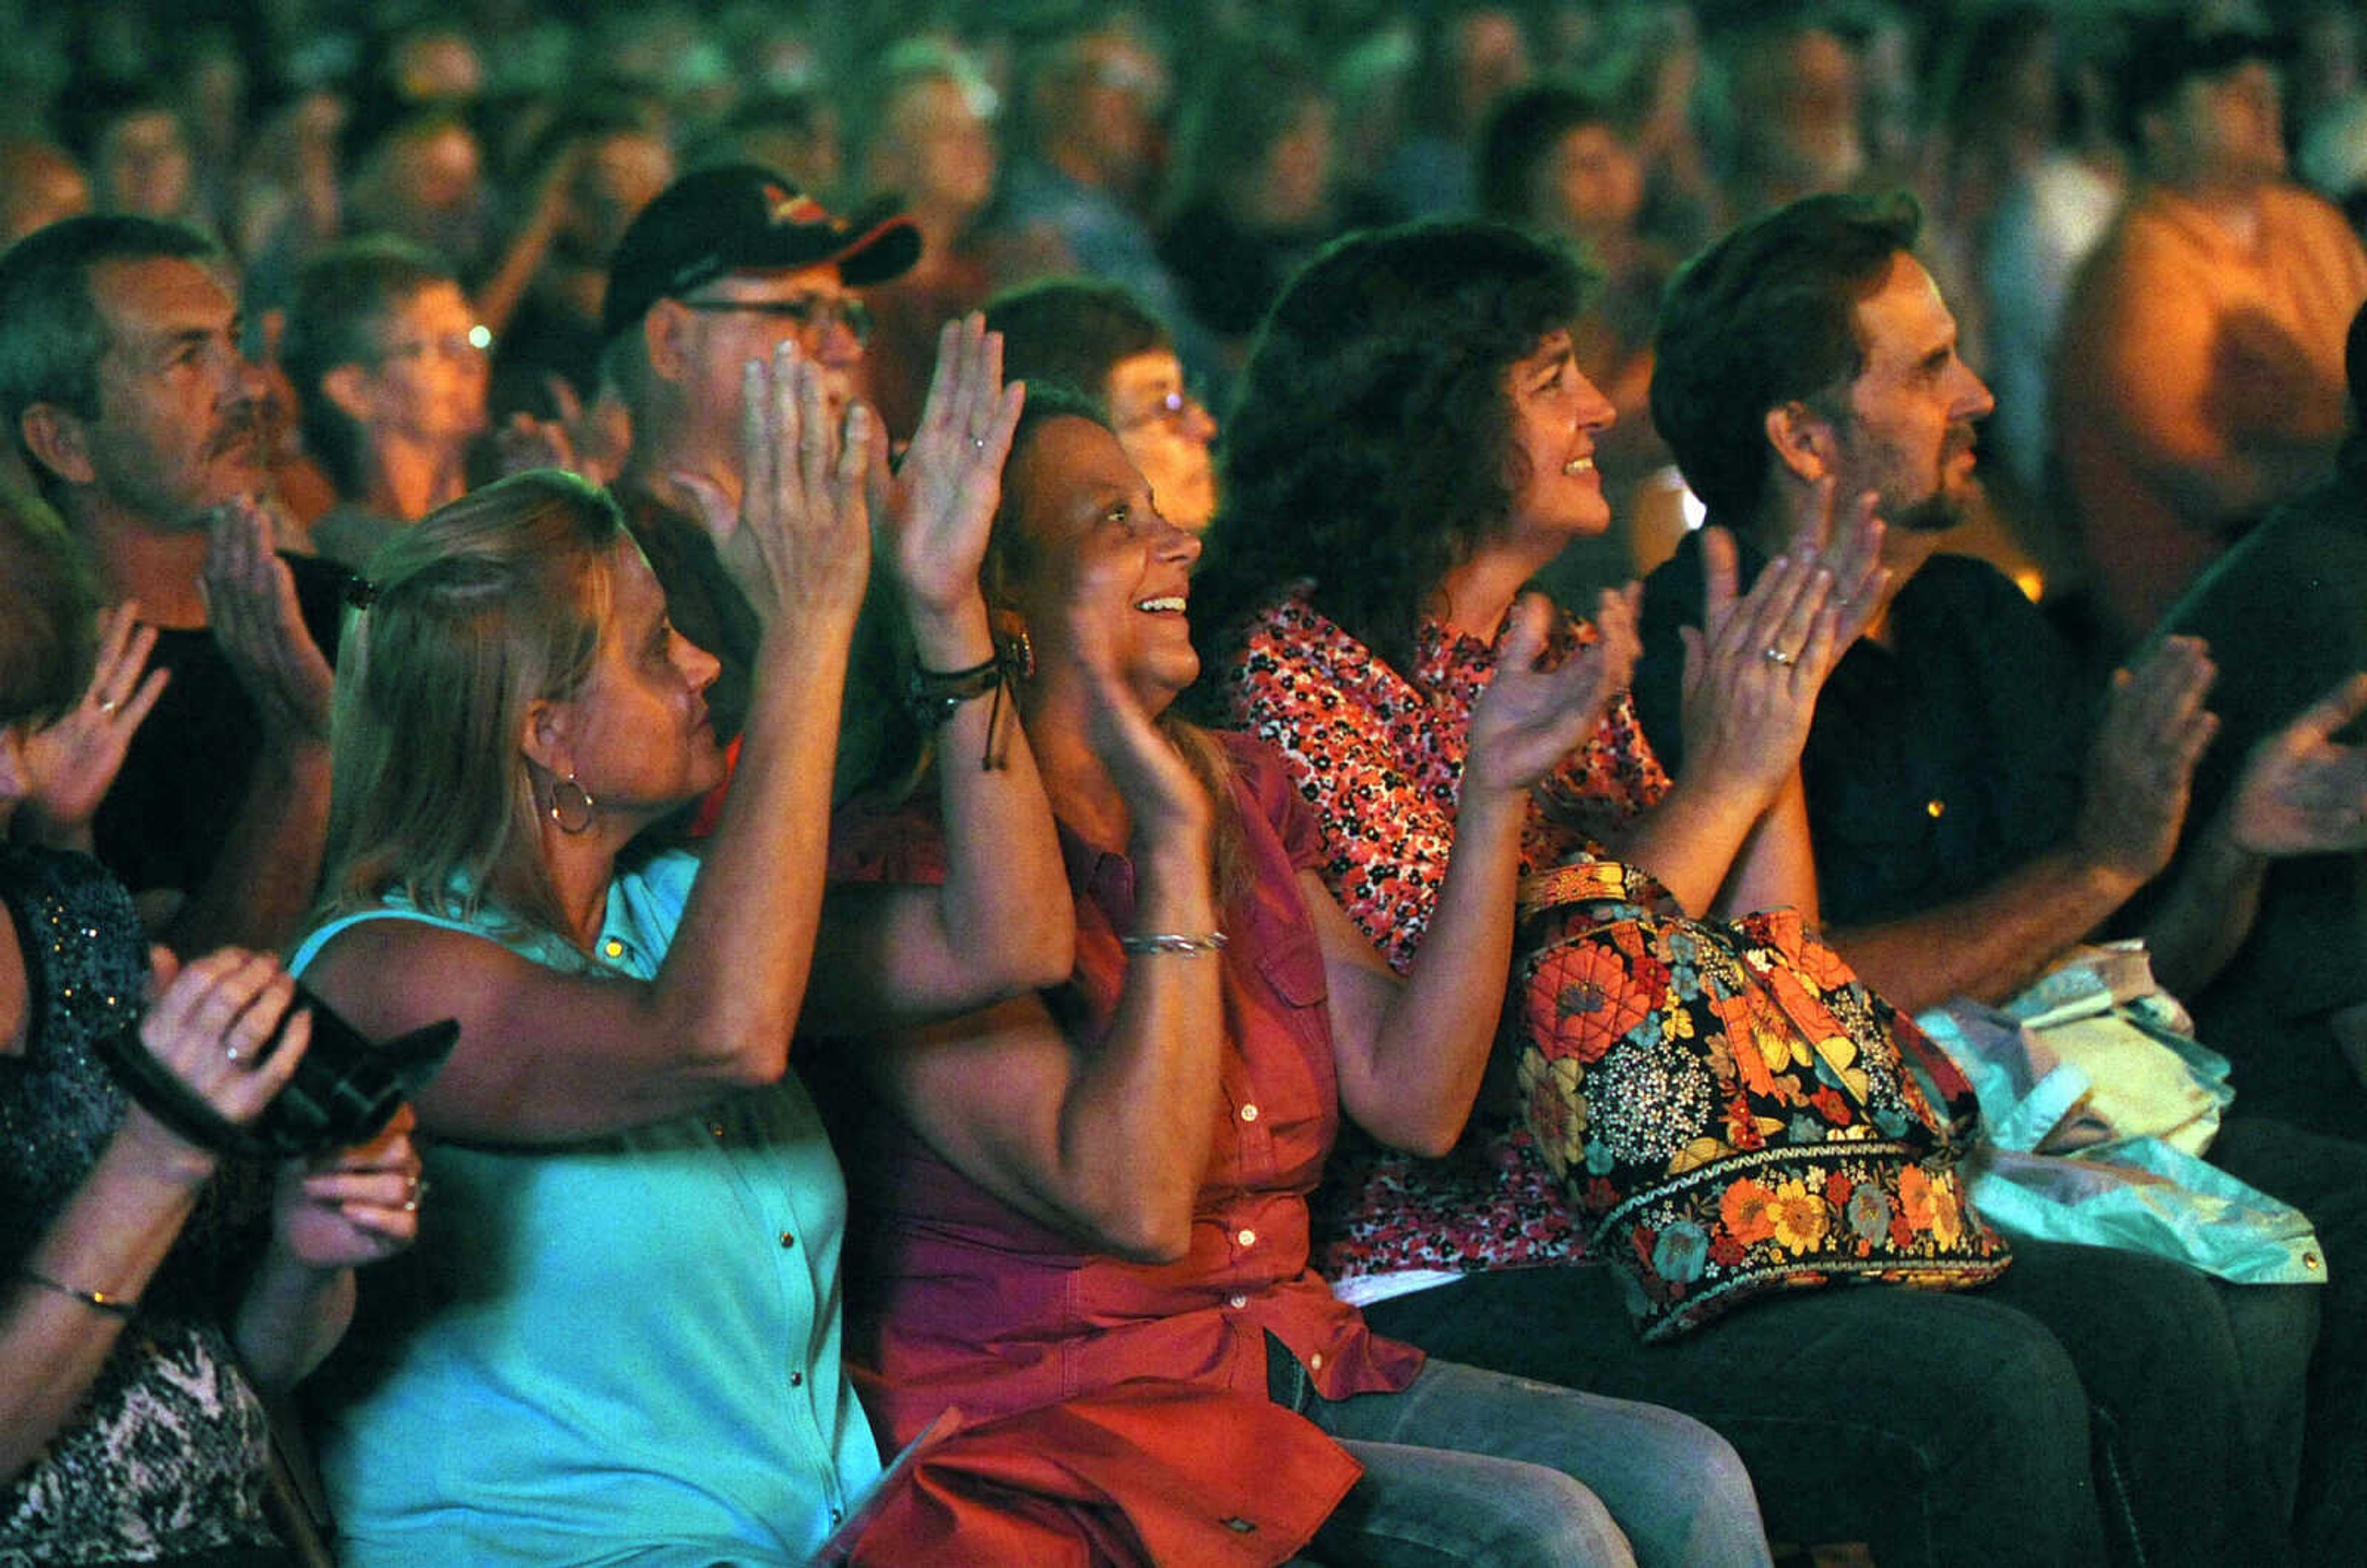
(241, 425)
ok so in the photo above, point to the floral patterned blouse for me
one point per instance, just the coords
(1380, 759)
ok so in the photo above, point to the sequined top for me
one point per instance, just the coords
(167, 1455)
(1380, 758)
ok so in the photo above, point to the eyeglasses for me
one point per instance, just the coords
(471, 344)
(1169, 410)
(813, 312)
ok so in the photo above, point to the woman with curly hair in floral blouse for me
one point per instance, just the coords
(1413, 442)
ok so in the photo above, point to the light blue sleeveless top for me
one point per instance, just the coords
(619, 1351)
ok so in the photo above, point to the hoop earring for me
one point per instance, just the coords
(571, 817)
(1018, 654)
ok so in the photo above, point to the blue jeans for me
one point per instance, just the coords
(1467, 1466)
(1967, 1428)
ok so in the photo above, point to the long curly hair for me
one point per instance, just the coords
(1371, 450)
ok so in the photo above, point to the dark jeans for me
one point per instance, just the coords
(2327, 1180)
(2087, 1397)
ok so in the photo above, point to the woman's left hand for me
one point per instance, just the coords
(1530, 717)
(952, 475)
(74, 759)
(354, 1206)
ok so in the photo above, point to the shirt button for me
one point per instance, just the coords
(796, 1379)
(1246, 1236)
(1249, 1113)
(788, 1239)
(1315, 1362)
(613, 948)
(1239, 1302)
(716, 1128)
(1935, 808)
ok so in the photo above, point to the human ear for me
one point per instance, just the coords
(548, 736)
(661, 341)
(58, 441)
(1801, 440)
(343, 387)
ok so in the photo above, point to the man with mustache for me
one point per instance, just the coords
(1974, 814)
(1971, 819)
(122, 383)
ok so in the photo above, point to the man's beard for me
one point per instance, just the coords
(1936, 514)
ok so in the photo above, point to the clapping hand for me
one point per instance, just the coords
(251, 605)
(71, 759)
(1531, 716)
(2302, 792)
(2142, 770)
(800, 542)
(952, 475)
(1754, 668)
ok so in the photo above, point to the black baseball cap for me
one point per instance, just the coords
(742, 218)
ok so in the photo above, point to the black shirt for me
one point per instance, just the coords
(164, 823)
(1936, 765)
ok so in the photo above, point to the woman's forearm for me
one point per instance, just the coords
(1410, 1075)
(107, 1241)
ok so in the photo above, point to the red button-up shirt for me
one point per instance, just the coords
(985, 1308)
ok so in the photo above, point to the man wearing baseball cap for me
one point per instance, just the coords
(726, 264)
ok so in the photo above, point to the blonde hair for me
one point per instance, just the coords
(484, 607)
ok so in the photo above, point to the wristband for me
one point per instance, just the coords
(932, 695)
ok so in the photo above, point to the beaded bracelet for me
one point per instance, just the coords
(1174, 943)
(98, 1300)
(932, 695)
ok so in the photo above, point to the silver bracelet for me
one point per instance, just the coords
(1182, 946)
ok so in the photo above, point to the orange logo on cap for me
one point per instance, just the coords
(800, 208)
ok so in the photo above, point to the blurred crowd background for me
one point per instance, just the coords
(1195, 150)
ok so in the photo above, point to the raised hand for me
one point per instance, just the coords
(952, 475)
(1531, 717)
(799, 541)
(2301, 793)
(2154, 730)
(590, 444)
(1848, 547)
(354, 1206)
(252, 607)
(1160, 791)
(1753, 670)
(71, 759)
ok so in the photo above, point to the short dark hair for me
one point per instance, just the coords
(1371, 447)
(341, 297)
(1519, 136)
(1073, 331)
(46, 605)
(51, 335)
(1764, 316)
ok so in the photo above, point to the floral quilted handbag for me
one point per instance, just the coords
(1731, 1108)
